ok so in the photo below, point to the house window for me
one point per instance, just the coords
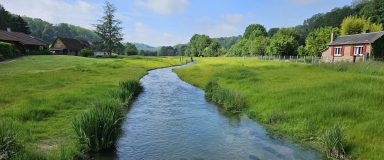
(357, 50)
(337, 51)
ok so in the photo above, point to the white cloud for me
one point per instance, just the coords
(55, 11)
(163, 7)
(229, 25)
(142, 33)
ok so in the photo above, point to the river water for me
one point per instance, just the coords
(171, 120)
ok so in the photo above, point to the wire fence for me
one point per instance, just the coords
(297, 59)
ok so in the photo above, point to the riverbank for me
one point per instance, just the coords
(41, 95)
(302, 101)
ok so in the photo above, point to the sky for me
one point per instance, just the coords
(171, 22)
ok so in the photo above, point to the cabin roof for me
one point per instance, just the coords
(22, 38)
(73, 44)
(363, 38)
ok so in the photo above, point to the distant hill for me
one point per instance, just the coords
(145, 47)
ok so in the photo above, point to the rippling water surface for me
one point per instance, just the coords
(172, 120)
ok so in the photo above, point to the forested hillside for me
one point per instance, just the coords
(47, 31)
(42, 29)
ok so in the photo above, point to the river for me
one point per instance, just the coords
(172, 120)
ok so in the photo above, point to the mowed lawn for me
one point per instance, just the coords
(41, 95)
(302, 101)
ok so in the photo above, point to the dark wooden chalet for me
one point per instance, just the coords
(68, 46)
(23, 42)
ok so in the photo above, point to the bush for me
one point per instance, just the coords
(8, 50)
(8, 145)
(86, 52)
(334, 142)
(42, 52)
(99, 128)
(232, 101)
(128, 90)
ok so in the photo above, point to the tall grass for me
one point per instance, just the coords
(232, 101)
(8, 145)
(99, 128)
(334, 142)
(128, 90)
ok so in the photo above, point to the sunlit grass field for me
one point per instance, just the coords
(302, 101)
(41, 95)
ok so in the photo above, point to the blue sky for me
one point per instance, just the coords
(169, 22)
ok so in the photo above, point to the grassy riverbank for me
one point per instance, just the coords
(303, 101)
(41, 95)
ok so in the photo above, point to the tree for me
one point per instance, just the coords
(259, 45)
(254, 30)
(357, 25)
(130, 49)
(284, 42)
(239, 49)
(166, 51)
(213, 50)
(375, 10)
(109, 29)
(272, 31)
(198, 43)
(318, 40)
(14, 22)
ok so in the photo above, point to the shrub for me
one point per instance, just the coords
(42, 52)
(334, 142)
(128, 90)
(86, 52)
(8, 145)
(232, 101)
(8, 50)
(99, 128)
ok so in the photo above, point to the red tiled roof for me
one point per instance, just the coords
(22, 38)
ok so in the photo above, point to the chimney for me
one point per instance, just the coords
(9, 29)
(332, 37)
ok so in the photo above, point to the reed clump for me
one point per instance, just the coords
(231, 100)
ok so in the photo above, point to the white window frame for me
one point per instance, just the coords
(358, 50)
(337, 51)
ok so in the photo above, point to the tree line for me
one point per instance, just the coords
(310, 38)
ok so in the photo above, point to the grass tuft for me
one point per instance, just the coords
(232, 101)
(99, 128)
(128, 90)
(8, 145)
(334, 142)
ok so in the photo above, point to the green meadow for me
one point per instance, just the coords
(40, 96)
(301, 101)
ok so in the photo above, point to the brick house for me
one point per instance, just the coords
(355, 48)
(68, 46)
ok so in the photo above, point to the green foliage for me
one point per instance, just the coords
(167, 51)
(318, 40)
(109, 30)
(232, 101)
(356, 25)
(284, 42)
(8, 50)
(130, 49)
(99, 128)
(128, 90)
(374, 9)
(272, 31)
(258, 46)
(15, 22)
(8, 145)
(86, 52)
(254, 30)
(240, 48)
(301, 50)
(227, 42)
(48, 32)
(198, 43)
(334, 142)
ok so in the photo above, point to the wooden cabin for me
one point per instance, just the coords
(68, 46)
(26, 44)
